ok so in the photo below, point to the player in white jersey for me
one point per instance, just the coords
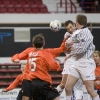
(78, 93)
(84, 65)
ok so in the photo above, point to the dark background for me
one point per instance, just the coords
(8, 47)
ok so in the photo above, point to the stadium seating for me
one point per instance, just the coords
(22, 6)
(11, 9)
(27, 9)
(3, 9)
(8, 72)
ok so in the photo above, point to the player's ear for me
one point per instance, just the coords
(44, 44)
(33, 45)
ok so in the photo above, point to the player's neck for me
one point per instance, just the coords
(98, 64)
(80, 26)
(39, 48)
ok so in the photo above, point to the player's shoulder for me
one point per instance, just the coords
(66, 34)
(30, 49)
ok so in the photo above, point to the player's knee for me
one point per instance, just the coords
(68, 88)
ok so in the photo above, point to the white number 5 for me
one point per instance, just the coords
(33, 63)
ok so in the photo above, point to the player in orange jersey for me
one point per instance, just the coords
(96, 57)
(16, 82)
(45, 61)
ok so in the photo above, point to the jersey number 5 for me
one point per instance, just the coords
(33, 63)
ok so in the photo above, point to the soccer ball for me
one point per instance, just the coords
(55, 25)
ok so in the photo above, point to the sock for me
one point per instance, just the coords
(96, 98)
(68, 98)
(59, 89)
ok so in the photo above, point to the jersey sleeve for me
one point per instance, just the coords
(57, 51)
(23, 55)
(15, 83)
(52, 64)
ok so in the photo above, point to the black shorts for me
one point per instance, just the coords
(43, 89)
(20, 94)
(26, 88)
(19, 97)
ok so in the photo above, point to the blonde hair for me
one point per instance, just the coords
(97, 52)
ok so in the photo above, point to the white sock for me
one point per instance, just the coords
(68, 98)
(96, 98)
(59, 89)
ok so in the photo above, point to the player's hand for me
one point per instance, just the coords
(97, 83)
(70, 49)
(57, 60)
(16, 61)
(68, 43)
(67, 36)
(67, 56)
(4, 90)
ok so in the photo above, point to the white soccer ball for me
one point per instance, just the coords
(55, 25)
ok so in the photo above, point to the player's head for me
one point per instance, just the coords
(38, 41)
(96, 57)
(23, 65)
(69, 25)
(81, 20)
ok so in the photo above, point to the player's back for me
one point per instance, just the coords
(41, 62)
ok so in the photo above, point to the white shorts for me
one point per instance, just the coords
(67, 64)
(83, 68)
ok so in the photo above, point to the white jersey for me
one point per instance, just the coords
(83, 43)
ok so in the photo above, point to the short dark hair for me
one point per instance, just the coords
(81, 19)
(68, 22)
(38, 41)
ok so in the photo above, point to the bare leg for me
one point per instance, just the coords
(63, 82)
(90, 88)
(25, 98)
(71, 81)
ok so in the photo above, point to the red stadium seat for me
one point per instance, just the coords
(43, 9)
(27, 9)
(14, 2)
(19, 9)
(38, 2)
(11, 9)
(30, 2)
(35, 9)
(0, 2)
(6, 2)
(3, 9)
(22, 2)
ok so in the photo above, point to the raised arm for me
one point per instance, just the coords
(57, 51)
(23, 55)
